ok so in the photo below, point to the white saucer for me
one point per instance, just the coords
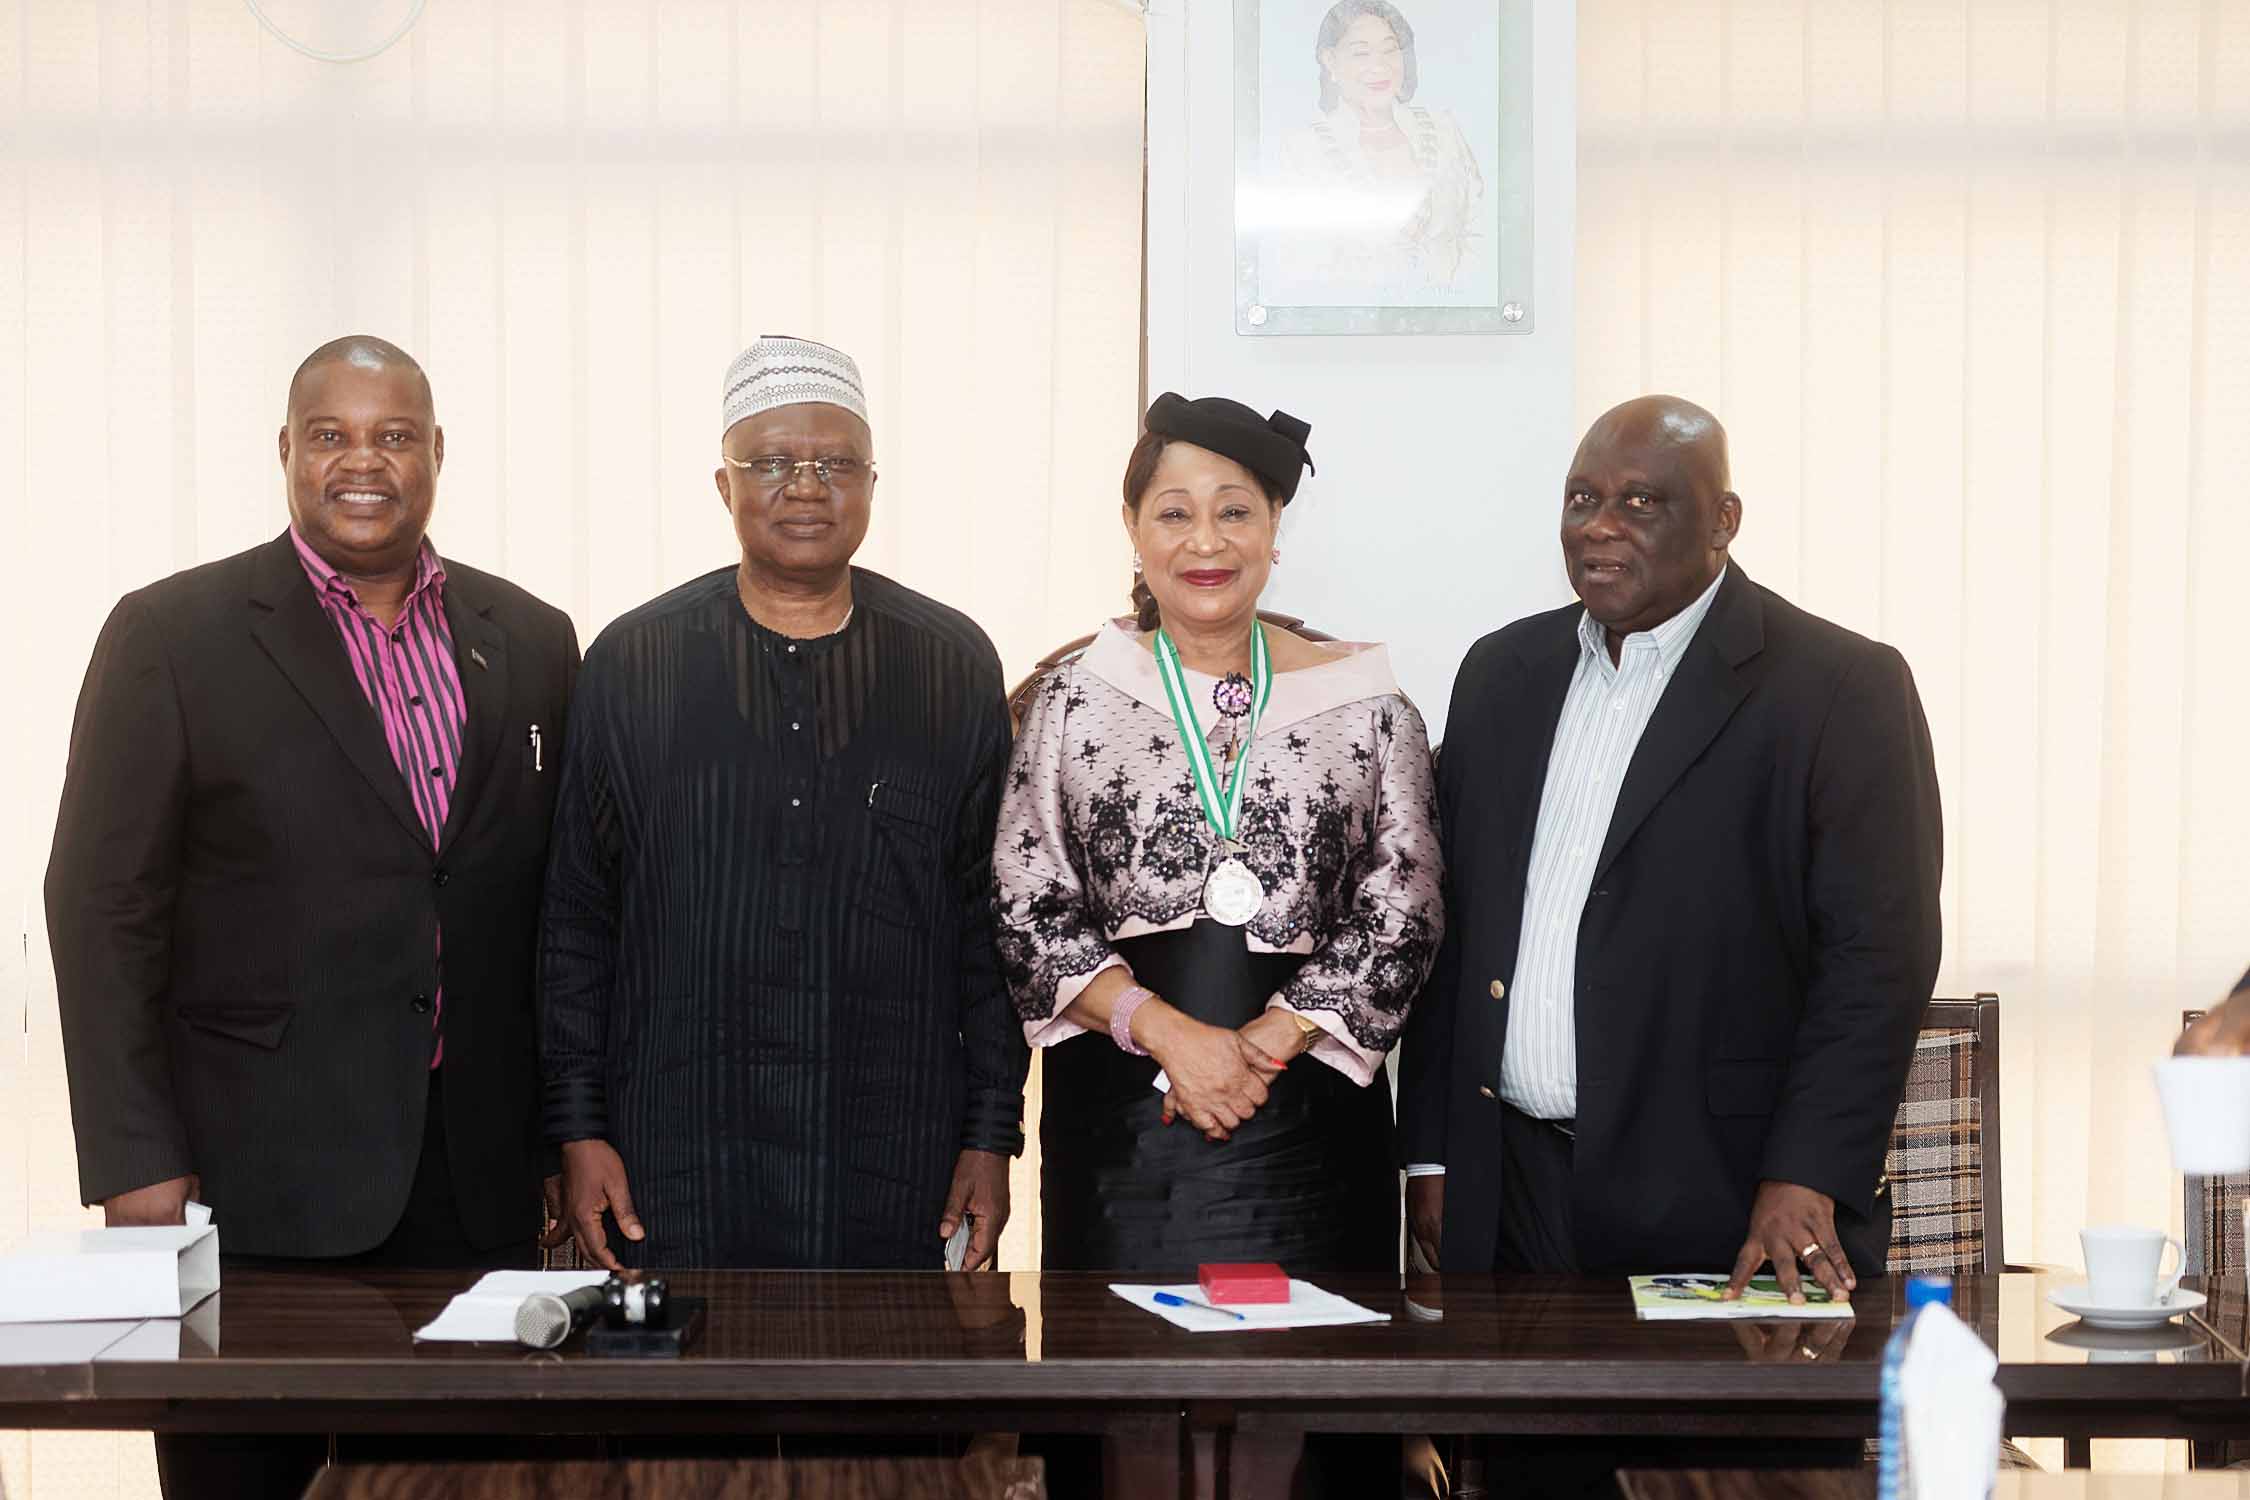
(2079, 1303)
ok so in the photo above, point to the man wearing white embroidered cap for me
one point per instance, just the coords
(774, 1030)
(797, 472)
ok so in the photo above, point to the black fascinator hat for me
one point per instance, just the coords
(1273, 448)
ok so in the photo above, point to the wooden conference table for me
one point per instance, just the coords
(1025, 1352)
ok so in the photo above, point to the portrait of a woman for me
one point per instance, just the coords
(1398, 185)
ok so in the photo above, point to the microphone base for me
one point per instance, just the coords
(639, 1341)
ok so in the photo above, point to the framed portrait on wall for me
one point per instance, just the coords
(1382, 167)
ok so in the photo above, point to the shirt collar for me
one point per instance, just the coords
(429, 573)
(1671, 638)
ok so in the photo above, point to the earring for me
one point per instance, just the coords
(1277, 557)
(1136, 565)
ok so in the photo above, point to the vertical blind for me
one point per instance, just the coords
(574, 215)
(1967, 283)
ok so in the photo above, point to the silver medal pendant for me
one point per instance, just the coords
(1231, 894)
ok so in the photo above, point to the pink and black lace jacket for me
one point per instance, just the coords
(1101, 837)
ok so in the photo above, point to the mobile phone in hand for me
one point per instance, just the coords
(957, 1248)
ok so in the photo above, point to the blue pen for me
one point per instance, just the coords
(1174, 1299)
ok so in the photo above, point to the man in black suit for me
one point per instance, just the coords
(1693, 852)
(295, 886)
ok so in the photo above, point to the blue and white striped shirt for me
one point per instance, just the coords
(1603, 716)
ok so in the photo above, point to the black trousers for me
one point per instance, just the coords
(1536, 1233)
(1537, 1236)
(278, 1466)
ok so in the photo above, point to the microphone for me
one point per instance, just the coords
(545, 1319)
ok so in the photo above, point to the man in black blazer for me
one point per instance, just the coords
(1693, 850)
(294, 893)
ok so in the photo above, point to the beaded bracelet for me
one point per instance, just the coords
(1121, 1019)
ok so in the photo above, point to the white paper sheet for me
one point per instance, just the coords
(1308, 1307)
(102, 1275)
(486, 1312)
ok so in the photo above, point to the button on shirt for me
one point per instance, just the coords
(410, 679)
(1603, 716)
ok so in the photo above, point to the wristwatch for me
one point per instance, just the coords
(1308, 1032)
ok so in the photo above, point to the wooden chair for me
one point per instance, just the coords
(1019, 696)
(2211, 1215)
(1943, 1169)
(2212, 1212)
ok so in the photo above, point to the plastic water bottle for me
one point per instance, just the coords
(1893, 1478)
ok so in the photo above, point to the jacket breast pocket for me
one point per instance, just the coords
(902, 854)
(261, 1026)
(1738, 1089)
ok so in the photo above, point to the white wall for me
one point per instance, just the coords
(1433, 516)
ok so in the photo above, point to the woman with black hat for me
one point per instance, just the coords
(1218, 888)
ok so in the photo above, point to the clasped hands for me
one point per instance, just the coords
(1220, 1078)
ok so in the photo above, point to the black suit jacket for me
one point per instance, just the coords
(245, 911)
(1756, 950)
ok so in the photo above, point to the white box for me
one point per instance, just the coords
(72, 1276)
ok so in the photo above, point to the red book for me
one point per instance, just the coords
(1262, 1281)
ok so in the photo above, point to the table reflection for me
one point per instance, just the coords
(1790, 1341)
(264, 1314)
(1024, 1316)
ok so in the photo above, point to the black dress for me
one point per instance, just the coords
(1307, 1182)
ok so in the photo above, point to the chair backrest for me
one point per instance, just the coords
(1019, 696)
(2211, 1211)
(1943, 1170)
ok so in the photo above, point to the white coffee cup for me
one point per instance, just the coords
(2121, 1265)
(2207, 1113)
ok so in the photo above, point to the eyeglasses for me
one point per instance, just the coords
(779, 469)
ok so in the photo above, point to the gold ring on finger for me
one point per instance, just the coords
(1810, 1251)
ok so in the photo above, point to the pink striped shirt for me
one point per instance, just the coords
(412, 682)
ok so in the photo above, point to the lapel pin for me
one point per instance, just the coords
(478, 657)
